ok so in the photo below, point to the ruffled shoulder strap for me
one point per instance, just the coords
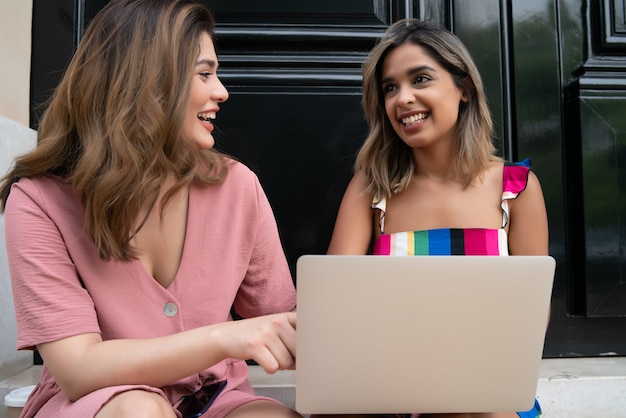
(380, 204)
(514, 181)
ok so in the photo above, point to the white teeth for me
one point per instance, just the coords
(207, 117)
(414, 118)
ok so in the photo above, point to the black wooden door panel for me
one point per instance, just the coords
(604, 187)
(302, 149)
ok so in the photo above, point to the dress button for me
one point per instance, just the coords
(170, 309)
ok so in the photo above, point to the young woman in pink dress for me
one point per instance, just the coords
(130, 239)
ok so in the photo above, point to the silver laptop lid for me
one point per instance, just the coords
(380, 334)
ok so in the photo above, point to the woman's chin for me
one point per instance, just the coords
(205, 143)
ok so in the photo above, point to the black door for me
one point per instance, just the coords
(555, 75)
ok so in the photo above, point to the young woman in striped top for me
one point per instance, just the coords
(427, 178)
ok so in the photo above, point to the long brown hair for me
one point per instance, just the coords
(112, 128)
(385, 159)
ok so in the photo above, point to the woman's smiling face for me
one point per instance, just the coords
(421, 98)
(206, 92)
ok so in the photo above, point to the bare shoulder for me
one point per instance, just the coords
(533, 180)
(354, 223)
(495, 167)
(533, 188)
(357, 189)
(493, 174)
(359, 180)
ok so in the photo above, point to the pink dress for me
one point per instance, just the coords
(232, 258)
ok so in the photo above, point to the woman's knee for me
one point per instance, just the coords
(137, 404)
(262, 409)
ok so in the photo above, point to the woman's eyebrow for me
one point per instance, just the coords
(411, 71)
(211, 63)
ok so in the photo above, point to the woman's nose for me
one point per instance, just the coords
(219, 94)
(405, 96)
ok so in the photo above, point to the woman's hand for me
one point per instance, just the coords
(269, 340)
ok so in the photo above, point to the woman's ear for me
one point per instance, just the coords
(462, 83)
(464, 96)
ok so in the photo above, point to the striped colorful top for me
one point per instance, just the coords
(456, 241)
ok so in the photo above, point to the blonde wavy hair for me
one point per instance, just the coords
(113, 127)
(384, 158)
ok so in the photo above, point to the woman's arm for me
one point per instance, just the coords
(354, 225)
(528, 228)
(528, 221)
(84, 363)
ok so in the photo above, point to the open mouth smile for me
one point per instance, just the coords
(413, 119)
(207, 117)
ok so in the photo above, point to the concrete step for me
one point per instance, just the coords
(27, 377)
(583, 387)
(567, 388)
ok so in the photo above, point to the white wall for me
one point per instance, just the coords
(15, 138)
(15, 48)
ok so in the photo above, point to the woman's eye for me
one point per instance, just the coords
(421, 79)
(389, 88)
(205, 74)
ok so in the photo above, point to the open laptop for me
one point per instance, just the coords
(423, 334)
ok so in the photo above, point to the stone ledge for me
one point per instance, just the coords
(27, 377)
(587, 387)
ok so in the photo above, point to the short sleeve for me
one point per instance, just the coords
(50, 302)
(268, 286)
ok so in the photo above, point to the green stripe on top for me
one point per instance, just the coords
(421, 244)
